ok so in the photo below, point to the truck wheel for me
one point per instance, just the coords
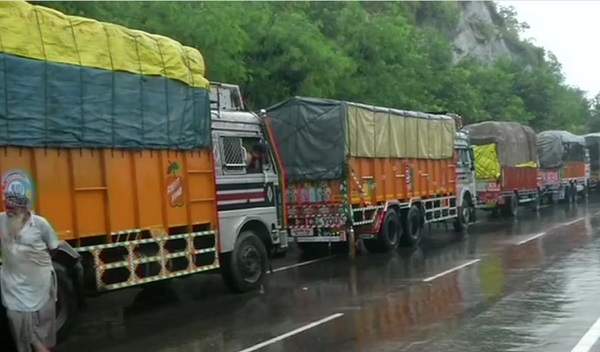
(413, 227)
(389, 235)
(550, 198)
(536, 202)
(244, 269)
(463, 218)
(67, 308)
(6, 337)
(511, 206)
(473, 209)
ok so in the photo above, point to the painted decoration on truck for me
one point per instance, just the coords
(245, 196)
(174, 185)
(309, 192)
(408, 172)
(19, 181)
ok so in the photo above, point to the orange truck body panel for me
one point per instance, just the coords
(383, 179)
(377, 180)
(573, 169)
(88, 193)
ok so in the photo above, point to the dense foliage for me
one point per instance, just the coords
(395, 54)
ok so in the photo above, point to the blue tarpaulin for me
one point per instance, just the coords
(47, 104)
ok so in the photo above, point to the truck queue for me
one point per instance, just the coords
(149, 172)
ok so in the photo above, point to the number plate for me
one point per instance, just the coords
(301, 232)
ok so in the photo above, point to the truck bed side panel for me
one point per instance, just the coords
(519, 178)
(87, 193)
(573, 169)
(384, 179)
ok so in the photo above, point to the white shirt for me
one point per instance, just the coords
(27, 277)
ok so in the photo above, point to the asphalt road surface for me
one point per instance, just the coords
(526, 285)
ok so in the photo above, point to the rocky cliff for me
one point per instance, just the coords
(480, 33)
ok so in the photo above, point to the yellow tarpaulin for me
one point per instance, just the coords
(528, 164)
(375, 133)
(41, 33)
(487, 165)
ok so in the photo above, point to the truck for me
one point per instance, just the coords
(109, 132)
(505, 166)
(351, 171)
(592, 142)
(562, 165)
(248, 188)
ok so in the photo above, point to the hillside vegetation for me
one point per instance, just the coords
(395, 54)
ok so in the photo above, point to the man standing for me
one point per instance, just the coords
(27, 278)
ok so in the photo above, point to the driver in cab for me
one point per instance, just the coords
(254, 159)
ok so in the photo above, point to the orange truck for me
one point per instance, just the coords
(505, 166)
(592, 143)
(563, 159)
(108, 131)
(353, 171)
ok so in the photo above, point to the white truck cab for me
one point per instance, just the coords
(247, 190)
(465, 179)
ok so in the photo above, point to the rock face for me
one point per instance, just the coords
(477, 35)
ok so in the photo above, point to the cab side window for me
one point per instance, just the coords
(233, 155)
(244, 155)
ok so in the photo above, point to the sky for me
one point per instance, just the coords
(569, 29)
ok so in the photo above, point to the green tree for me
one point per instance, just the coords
(394, 54)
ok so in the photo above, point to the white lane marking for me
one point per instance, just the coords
(291, 333)
(574, 221)
(589, 339)
(304, 263)
(550, 229)
(451, 270)
(532, 238)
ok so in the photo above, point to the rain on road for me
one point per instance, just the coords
(527, 285)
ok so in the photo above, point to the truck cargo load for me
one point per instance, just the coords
(563, 159)
(505, 164)
(556, 147)
(592, 142)
(498, 144)
(73, 82)
(348, 163)
(315, 136)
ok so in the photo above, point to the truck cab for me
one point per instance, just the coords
(465, 180)
(247, 185)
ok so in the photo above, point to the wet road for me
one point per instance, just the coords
(529, 285)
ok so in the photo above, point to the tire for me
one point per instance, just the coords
(67, 307)
(413, 227)
(244, 269)
(388, 237)
(511, 207)
(463, 218)
(8, 344)
(535, 204)
(67, 310)
(569, 194)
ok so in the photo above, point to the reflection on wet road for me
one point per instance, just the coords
(527, 285)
